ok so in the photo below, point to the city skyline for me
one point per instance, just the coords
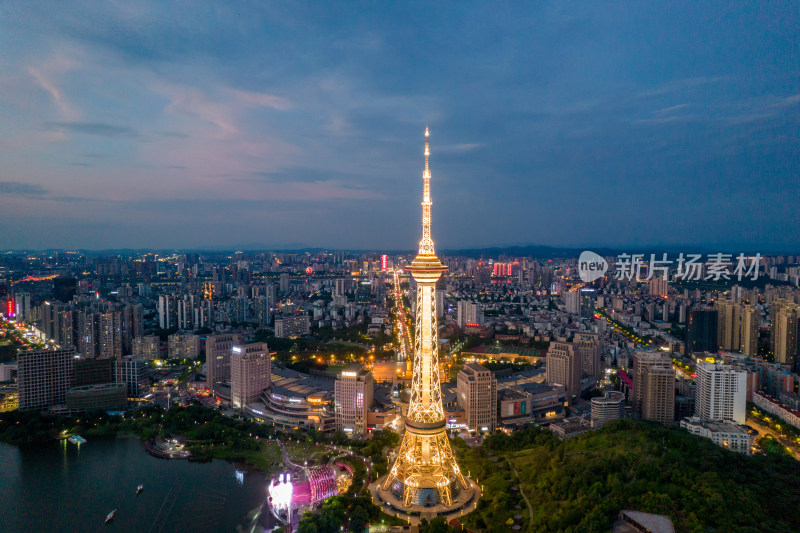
(149, 126)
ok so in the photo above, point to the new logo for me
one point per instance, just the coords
(591, 266)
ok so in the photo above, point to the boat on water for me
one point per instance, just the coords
(139, 489)
(110, 516)
(77, 439)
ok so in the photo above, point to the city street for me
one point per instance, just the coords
(766, 430)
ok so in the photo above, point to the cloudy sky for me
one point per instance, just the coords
(191, 124)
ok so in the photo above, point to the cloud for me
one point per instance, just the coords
(464, 147)
(34, 191)
(44, 79)
(296, 175)
(15, 188)
(681, 85)
(94, 128)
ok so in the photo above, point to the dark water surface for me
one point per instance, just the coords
(60, 487)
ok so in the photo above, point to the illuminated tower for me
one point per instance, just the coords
(425, 479)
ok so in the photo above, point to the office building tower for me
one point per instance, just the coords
(44, 377)
(292, 326)
(353, 393)
(439, 304)
(218, 357)
(564, 367)
(721, 392)
(701, 335)
(589, 350)
(477, 396)
(250, 368)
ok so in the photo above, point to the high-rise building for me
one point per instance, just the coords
(44, 377)
(132, 326)
(292, 326)
(425, 482)
(477, 396)
(564, 367)
(353, 393)
(109, 335)
(146, 347)
(729, 328)
(22, 307)
(642, 361)
(469, 313)
(573, 301)
(589, 349)
(283, 283)
(654, 387)
(721, 392)
(785, 315)
(185, 346)
(749, 328)
(132, 372)
(167, 312)
(701, 334)
(658, 286)
(218, 357)
(483, 274)
(250, 373)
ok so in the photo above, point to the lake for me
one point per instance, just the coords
(60, 487)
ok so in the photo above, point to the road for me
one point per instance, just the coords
(401, 320)
(766, 430)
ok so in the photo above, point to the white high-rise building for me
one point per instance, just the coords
(469, 313)
(721, 392)
(251, 369)
(353, 393)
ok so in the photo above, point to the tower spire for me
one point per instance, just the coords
(426, 244)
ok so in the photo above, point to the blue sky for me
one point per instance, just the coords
(191, 124)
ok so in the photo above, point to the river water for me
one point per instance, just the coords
(62, 487)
